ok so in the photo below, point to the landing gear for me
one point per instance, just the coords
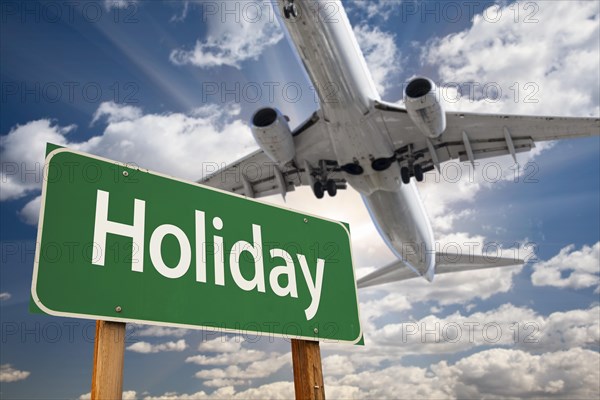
(412, 164)
(318, 190)
(418, 171)
(405, 175)
(290, 10)
(331, 188)
(325, 178)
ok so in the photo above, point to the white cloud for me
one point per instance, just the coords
(270, 391)
(222, 344)
(369, 9)
(116, 112)
(175, 141)
(158, 331)
(276, 390)
(109, 4)
(30, 214)
(494, 374)
(146, 348)
(550, 59)
(22, 154)
(184, 13)
(9, 374)
(4, 296)
(243, 356)
(219, 383)
(507, 325)
(571, 268)
(381, 54)
(564, 330)
(461, 287)
(255, 370)
(127, 395)
(337, 365)
(390, 303)
(233, 39)
(500, 373)
(445, 193)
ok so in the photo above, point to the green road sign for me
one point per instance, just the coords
(123, 244)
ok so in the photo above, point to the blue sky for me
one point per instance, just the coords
(128, 80)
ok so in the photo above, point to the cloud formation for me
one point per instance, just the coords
(508, 326)
(238, 32)
(158, 331)
(571, 268)
(545, 63)
(118, 4)
(175, 141)
(381, 54)
(222, 344)
(371, 9)
(9, 374)
(260, 369)
(127, 395)
(493, 374)
(147, 348)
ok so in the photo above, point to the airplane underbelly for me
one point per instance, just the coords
(324, 40)
(337, 69)
(403, 224)
(358, 141)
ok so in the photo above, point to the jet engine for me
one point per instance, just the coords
(424, 108)
(273, 134)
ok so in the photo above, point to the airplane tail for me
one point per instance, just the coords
(445, 263)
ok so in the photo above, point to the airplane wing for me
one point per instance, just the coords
(256, 175)
(445, 263)
(468, 137)
(473, 136)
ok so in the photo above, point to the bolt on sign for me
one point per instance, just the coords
(124, 244)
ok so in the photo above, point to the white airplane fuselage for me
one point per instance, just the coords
(325, 41)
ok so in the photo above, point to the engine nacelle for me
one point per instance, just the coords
(273, 134)
(424, 108)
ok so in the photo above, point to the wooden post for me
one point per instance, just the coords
(109, 351)
(308, 372)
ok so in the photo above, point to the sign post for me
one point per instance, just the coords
(308, 370)
(109, 353)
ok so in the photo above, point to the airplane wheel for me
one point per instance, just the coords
(286, 12)
(293, 10)
(319, 190)
(405, 174)
(419, 173)
(331, 188)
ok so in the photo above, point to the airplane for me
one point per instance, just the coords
(378, 148)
